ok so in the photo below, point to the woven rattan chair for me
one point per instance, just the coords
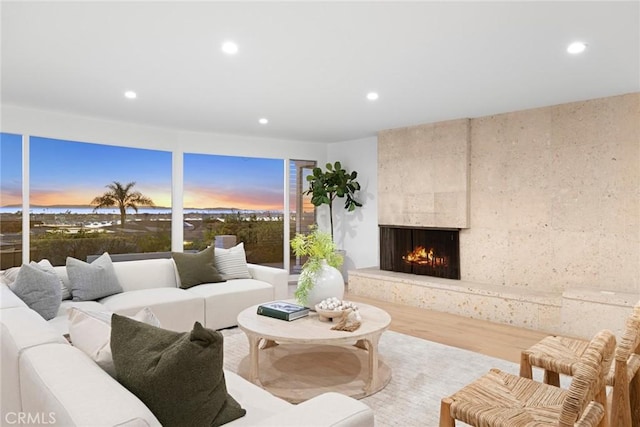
(625, 397)
(560, 355)
(502, 399)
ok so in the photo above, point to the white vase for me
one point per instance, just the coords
(328, 282)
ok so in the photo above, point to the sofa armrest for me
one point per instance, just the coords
(277, 277)
(328, 409)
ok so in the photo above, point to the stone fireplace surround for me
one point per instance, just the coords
(548, 203)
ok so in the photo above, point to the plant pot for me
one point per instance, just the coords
(328, 282)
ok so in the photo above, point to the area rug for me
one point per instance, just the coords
(423, 372)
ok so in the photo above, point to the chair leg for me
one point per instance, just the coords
(620, 408)
(525, 366)
(601, 398)
(634, 399)
(446, 420)
(551, 378)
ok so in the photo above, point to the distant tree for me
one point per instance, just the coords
(121, 196)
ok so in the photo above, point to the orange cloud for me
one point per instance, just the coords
(52, 197)
(81, 196)
(254, 199)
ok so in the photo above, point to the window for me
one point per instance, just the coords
(10, 200)
(235, 199)
(75, 192)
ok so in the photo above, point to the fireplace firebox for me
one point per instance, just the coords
(424, 251)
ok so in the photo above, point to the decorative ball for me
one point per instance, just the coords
(332, 307)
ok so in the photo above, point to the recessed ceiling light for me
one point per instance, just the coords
(372, 96)
(130, 94)
(230, 48)
(576, 47)
(263, 121)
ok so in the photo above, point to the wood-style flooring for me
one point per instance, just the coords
(492, 339)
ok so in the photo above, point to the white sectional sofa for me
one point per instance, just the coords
(45, 380)
(154, 283)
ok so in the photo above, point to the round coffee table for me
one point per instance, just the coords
(303, 358)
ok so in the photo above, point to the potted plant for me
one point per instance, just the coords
(325, 186)
(319, 278)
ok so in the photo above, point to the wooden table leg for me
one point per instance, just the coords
(254, 356)
(361, 344)
(372, 344)
(268, 344)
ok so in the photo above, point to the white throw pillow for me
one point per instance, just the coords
(232, 263)
(90, 331)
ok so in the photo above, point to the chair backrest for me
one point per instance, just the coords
(589, 378)
(627, 363)
(630, 341)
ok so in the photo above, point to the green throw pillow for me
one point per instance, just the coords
(178, 375)
(197, 268)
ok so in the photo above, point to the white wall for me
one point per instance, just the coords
(357, 231)
(58, 125)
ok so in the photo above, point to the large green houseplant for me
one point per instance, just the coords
(319, 248)
(325, 186)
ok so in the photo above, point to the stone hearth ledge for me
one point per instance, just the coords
(565, 314)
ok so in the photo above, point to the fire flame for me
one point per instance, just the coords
(422, 256)
(419, 255)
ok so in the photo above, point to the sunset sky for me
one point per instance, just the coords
(72, 173)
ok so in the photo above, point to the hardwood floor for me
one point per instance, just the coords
(492, 339)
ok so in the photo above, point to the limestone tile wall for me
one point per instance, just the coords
(515, 306)
(555, 197)
(423, 175)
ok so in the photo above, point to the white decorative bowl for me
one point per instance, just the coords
(327, 315)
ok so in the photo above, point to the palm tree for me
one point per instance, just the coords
(121, 196)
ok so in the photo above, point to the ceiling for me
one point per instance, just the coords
(307, 66)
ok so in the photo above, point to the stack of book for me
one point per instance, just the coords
(283, 310)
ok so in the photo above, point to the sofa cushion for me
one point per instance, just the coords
(232, 263)
(177, 309)
(194, 269)
(21, 328)
(178, 376)
(224, 301)
(61, 322)
(92, 281)
(62, 380)
(8, 299)
(39, 287)
(146, 274)
(259, 403)
(90, 331)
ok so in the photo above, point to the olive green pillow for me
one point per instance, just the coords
(195, 269)
(177, 375)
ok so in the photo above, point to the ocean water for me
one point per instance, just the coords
(56, 210)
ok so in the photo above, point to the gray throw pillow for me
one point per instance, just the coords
(177, 375)
(39, 288)
(92, 281)
(9, 276)
(197, 268)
